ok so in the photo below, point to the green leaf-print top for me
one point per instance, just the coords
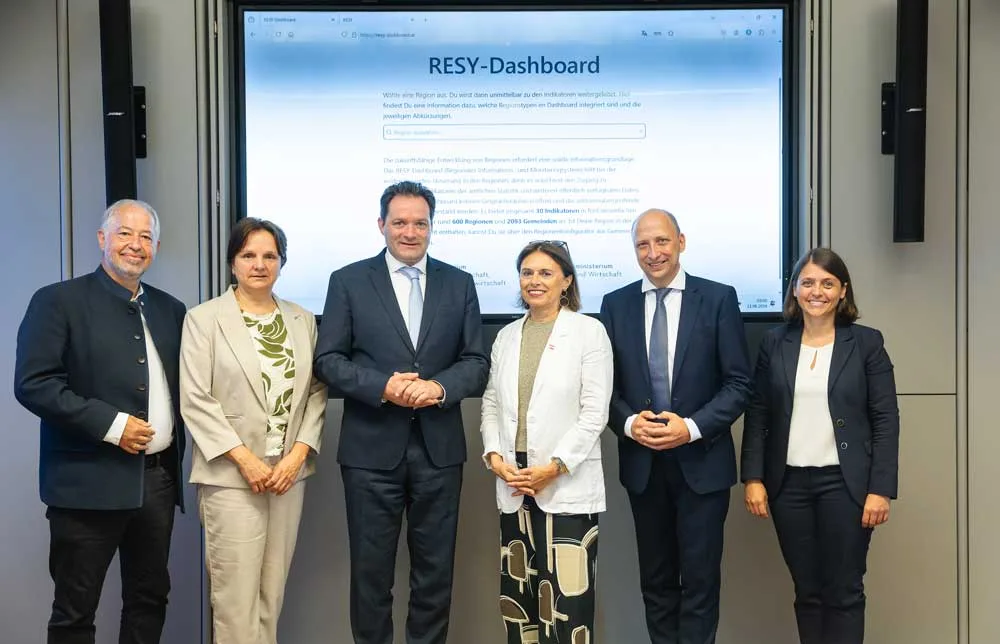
(277, 368)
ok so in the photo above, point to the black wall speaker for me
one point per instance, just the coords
(910, 117)
(119, 106)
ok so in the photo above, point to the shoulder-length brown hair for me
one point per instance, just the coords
(559, 252)
(831, 262)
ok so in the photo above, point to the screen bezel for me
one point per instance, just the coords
(792, 94)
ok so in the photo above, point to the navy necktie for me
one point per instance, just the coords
(659, 351)
(416, 303)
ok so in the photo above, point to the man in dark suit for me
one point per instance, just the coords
(682, 377)
(97, 362)
(401, 341)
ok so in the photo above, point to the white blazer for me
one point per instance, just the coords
(222, 391)
(567, 412)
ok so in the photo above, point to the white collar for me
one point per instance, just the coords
(394, 264)
(677, 284)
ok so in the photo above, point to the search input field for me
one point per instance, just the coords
(512, 131)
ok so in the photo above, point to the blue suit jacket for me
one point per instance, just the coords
(81, 360)
(710, 381)
(862, 399)
(363, 340)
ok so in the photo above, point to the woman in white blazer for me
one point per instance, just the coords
(544, 409)
(255, 413)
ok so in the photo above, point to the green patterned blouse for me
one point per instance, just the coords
(277, 368)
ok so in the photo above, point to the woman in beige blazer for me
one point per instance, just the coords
(544, 409)
(256, 413)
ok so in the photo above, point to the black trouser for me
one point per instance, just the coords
(83, 543)
(679, 538)
(376, 501)
(826, 547)
(548, 574)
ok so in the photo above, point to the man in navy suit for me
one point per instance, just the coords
(401, 341)
(97, 362)
(682, 377)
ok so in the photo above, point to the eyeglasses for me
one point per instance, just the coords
(558, 243)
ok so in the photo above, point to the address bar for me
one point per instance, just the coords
(512, 131)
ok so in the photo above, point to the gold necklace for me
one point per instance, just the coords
(243, 303)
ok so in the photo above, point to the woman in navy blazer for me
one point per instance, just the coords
(820, 446)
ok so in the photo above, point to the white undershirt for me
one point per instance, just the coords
(672, 306)
(401, 287)
(161, 411)
(811, 441)
(401, 283)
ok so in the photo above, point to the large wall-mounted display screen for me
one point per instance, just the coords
(528, 124)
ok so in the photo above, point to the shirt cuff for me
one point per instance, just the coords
(444, 393)
(693, 430)
(114, 435)
(628, 425)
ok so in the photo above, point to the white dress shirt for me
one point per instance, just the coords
(161, 410)
(811, 442)
(672, 304)
(401, 283)
(401, 287)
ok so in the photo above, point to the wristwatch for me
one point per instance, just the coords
(559, 463)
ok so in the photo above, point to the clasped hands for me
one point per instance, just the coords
(525, 481)
(262, 477)
(658, 435)
(410, 390)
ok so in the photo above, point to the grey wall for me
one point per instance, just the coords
(892, 281)
(29, 193)
(916, 293)
(984, 312)
(37, 159)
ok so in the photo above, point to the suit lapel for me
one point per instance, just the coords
(790, 350)
(843, 346)
(432, 295)
(690, 310)
(635, 324)
(235, 331)
(298, 332)
(382, 285)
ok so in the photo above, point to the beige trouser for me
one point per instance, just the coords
(249, 541)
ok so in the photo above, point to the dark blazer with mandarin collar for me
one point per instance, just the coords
(363, 340)
(710, 380)
(863, 408)
(81, 359)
